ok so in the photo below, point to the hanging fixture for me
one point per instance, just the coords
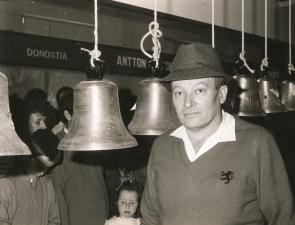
(288, 85)
(248, 103)
(10, 143)
(154, 114)
(97, 123)
(268, 87)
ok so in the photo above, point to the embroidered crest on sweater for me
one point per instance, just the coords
(226, 176)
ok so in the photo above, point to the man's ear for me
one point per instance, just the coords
(67, 115)
(222, 93)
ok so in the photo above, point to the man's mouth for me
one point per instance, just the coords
(190, 113)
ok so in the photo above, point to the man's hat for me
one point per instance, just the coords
(194, 61)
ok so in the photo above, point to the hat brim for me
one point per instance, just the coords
(191, 74)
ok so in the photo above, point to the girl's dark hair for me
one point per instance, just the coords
(130, 186)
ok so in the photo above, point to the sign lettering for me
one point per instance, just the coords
(46, 54)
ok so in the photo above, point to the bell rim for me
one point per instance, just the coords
(97, 146)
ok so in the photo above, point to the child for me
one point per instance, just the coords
(128, 201)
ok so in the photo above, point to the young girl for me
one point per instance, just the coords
(128, 200)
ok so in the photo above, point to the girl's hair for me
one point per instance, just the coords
(130, 185)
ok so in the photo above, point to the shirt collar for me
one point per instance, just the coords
(225, 132)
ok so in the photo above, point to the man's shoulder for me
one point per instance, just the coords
(243, 126)
(164, 142)
(166, 137)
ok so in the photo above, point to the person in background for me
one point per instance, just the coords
(39, 95)
(79, 180)
(127, 205)
(215, 168)
(36, 93)
(34, 113)
(61, 92)
(27, 196)
(64, 101)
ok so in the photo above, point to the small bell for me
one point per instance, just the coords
(10, 143)
(288, 94)
(248, 98)
(269, 95)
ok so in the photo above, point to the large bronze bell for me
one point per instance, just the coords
(248, 98)
(269, 95)
(10, 143)
(288, 94)
(154, 114)
(96, 122)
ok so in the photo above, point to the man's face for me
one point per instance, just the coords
(197, 102)
(36, 121)
(127, 203)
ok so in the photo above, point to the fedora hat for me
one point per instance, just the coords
(195, 61)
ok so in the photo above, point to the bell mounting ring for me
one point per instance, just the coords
(155, 71)
(96, 72)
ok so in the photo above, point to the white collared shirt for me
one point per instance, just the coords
(225, 132)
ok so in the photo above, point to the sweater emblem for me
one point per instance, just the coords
(226, 176)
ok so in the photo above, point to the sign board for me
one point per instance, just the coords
(37, 51)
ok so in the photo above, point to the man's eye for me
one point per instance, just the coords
(178, 93)
(200, 91)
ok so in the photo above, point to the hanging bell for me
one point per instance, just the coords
(96, 122)
(154, 114)
(269, 95)
(10, 143)
(248, 97)
(288, 94)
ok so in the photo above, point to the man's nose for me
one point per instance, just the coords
(189, 101)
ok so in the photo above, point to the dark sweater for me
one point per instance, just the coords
(81, 191)
(243, 182)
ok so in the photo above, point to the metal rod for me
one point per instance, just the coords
(57, 20)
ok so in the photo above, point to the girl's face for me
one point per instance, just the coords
(127, 203)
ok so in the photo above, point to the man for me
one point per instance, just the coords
(79, 180)
(215, 168)
(65, 101)
(27, 196)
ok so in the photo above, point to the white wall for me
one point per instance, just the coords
(227, 14)
(114, 27)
